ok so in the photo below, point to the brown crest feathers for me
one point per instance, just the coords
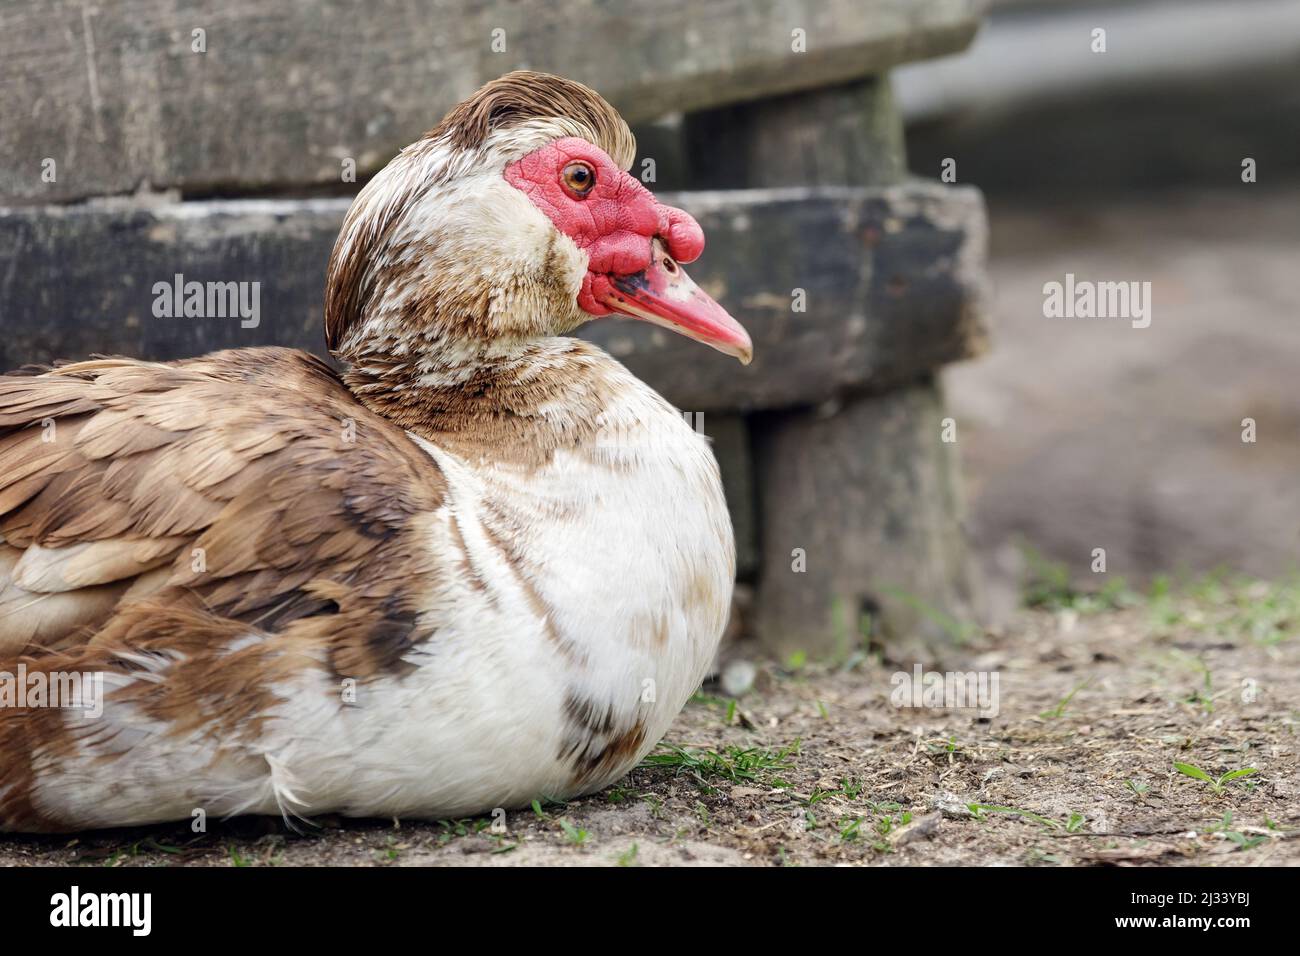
(524, 95)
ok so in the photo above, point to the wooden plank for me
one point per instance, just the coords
(117, 97)
(80, 279)
(893, 281)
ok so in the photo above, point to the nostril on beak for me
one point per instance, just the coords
(670, 266)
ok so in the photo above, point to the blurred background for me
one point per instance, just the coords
(886, 187)
(1128, 165)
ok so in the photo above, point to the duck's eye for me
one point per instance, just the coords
(579, 178)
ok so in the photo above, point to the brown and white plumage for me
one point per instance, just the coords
(484, 565)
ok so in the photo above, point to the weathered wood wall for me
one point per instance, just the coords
(856, 282)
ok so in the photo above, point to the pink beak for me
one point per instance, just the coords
(664, 294)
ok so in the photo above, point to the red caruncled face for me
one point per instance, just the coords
(633, 242)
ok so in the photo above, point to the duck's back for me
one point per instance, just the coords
(158, 523)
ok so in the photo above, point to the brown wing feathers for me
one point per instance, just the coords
(247, 486)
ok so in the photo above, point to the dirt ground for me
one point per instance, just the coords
(1099, 698)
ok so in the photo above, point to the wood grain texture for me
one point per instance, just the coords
(115, 94)
(859, 487)
(729, 435)
(893, 279)
(846, 135)
(868, 494)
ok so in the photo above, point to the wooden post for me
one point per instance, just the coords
(846, 135)
(859, 505)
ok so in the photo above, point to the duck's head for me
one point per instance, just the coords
(514, 219)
